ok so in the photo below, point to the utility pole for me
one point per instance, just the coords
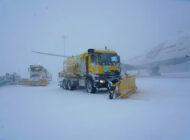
(64, 41)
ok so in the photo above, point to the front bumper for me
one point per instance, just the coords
(102, 81)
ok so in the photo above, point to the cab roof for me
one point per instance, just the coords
(36, 66)
(105, 51)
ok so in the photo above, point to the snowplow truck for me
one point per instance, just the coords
(97, 69)
(39, 76)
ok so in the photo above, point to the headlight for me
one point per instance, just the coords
(102, 81)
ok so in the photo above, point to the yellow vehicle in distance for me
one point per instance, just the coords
(39, 76)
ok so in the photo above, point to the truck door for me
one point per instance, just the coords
(93, 64)
(87, 64)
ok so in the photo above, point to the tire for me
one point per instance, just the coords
(111, 91)
(111, 96)
(64, 84)
(89, 86)
(69, 85)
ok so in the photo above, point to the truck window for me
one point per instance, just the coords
(93, 59)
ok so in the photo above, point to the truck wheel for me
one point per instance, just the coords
(111, 96)
(64, 83)
(89, 86)
(111, 93)
(69, 85)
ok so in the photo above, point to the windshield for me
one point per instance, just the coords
(108, 59)
(36, 69)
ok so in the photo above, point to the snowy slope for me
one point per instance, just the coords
(159, 110)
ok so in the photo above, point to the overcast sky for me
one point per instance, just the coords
(131, 27)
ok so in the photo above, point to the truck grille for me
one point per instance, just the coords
(112, 73)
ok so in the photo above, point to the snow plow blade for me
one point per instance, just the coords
(125, 87)
(33, 83)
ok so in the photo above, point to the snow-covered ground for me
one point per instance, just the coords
(158, 111)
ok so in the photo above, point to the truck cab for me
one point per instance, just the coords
(103, 67)
(36, 72)
(104, 62)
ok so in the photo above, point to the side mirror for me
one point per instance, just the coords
(119, 58)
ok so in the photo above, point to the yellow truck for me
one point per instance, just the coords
(97, 69)
(39, 76)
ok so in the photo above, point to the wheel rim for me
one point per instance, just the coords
(111, 96)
